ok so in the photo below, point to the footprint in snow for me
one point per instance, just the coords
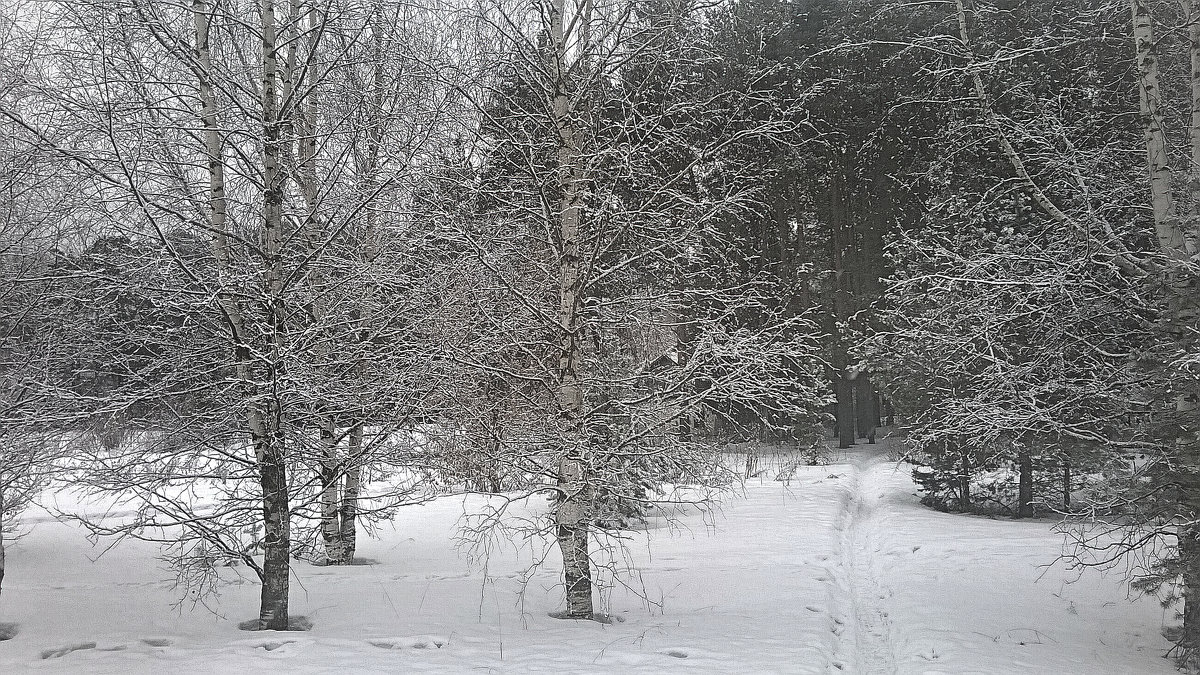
(63, 651)
(411, 642)
(156, 642)
(677, 653)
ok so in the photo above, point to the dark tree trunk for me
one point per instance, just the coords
(268, 436)
(273, 610)
(841, 227)
(866, 406)
(862, 405)
(1025, 483)
(844, 391)
(964, 480)
(1066, 485)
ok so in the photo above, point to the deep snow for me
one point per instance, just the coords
(838, 570)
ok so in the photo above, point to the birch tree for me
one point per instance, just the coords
(606, 168)
(1172, 180)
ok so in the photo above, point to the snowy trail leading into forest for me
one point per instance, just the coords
(932, 593)
(828, 569)
(870, 622)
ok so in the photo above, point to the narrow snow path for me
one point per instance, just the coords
(870, 629)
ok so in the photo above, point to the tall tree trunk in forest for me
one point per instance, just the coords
(263, 415)
(1192, 222)
(270, 446)
(843, 390)
(572, 515)
(691, 423)
(862, 391)
(787, 247)
(1066, 484)
(1175, 246)
(272, 467)
(866, 407)
(839, 242)
(964, 478)
(340, 507)
(1024, 482)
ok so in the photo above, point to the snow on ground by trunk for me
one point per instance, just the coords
(837, 571)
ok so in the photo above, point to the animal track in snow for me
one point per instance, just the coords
(63, 651)
(411, 642)
(156, 642)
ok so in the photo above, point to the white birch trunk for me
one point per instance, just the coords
(572, 513)
(331, 477)
(352, 481)
(1169, 229)
(1158, 164)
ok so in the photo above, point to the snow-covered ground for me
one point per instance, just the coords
(839, 570)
